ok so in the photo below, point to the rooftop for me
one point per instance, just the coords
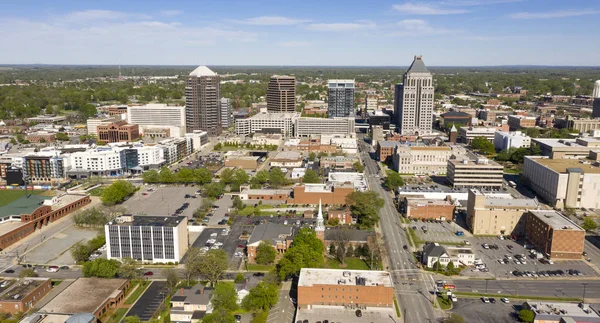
(417, 66)
(491, 130)
(553, 311)
(425, 202)
(202, 71)
(287, 155)
(389, 144)
(8, 226)
(270, 231)
(89, 293)
(197, 295)
(556, 220)
(581, 143)
(561, 165)
(455, 114)
(149, 221)
(314, 276)
(502, 202)
(265, 191)
(21, 288)
(274, 115)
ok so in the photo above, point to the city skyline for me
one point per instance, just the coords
(378, 33)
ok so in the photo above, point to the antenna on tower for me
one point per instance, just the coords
(119, 71)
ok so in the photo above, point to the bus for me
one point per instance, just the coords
(512, 184)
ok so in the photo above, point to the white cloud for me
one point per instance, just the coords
(476, 2)
(295, 43)
(271, 21)
(425, 9)
(171, 13)
(353, 26)
(418, 27)
(553, 14)
(97, 15)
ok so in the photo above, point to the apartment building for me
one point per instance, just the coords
(479, 172)
(226, 113)
(514, 139)
(267, 122)
(114, 161)
(554, 234)
(341, 98)
(161, 116)
(467, 134)
(119, 131)
(498, 216)
(281, 94)
(44, 166)
(338, 287)
(517, 122)
(175, 149)
(306, 126)
(429, 160)
(564, 183)
(150, 239)
(203, 101)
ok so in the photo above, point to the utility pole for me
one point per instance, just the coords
(584, 287)
(486, 286)
(405, 318)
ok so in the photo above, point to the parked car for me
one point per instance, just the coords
(485, 299)
(505, 300)
(9, 271)
(148, 273)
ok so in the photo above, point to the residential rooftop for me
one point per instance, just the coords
(84, 295)
(556, 220)
(314, 276)
(562, 165)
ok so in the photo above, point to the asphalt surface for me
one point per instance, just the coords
(474, 310)
(413, 297)
(549, 288)
(150, 301)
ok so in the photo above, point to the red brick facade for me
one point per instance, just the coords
(340, 295)
(28, 301)
(337, 196)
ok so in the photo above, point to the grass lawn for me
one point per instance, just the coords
(444, 302)
(137, 293)
(118, 315)
(9, 196)
(414, 237)
(351, 263)
(56, 282)
(97, 191)
(512, 171)
(249, 210)
(257, 267)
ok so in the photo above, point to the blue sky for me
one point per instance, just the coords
(307, 32)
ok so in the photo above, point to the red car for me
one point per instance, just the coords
(144, 193)
(148, 273)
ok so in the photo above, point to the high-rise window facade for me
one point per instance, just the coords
(413, 104)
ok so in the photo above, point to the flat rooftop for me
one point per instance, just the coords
(84, 295)
(340, 314)
(22, 205)
(553, 311)
(9, 225)
(265, 191)
(556, 220)
(21, 288)
(287, 155)
(314, 276)
(561, 165)
(425, 202)
(153, 221)
(502, 202)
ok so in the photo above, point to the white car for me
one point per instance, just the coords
(211, 241)
(454, 298)
(213, 234)
(467, 242)
(485, 246)
(508, 257)
(485, 299)
(218, 244)
(215, 247)
(501, 237)
(505, 300)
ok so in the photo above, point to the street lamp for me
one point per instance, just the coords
(584, 286)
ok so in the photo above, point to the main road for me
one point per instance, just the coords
(548, 288)
(412, 287)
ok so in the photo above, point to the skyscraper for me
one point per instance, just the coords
(203, 101)
(596, 93)
(281, 94)
(341, 98)
(413, 103)
(596, 102)
(226, 114)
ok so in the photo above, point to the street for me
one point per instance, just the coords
(413, 297)
(547, 288)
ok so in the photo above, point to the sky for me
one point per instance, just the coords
(305, 32)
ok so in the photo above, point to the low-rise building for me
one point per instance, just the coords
(41, 137)
(267, 139)
(563, 183)
(467, 134)
(480, 172)
(289, 159)
(89, 295)
(306, 126)
(429, 160)
(119, 131)
(567, 148)
(506, 140)
(498, 216)
(21, 295)
(191, 304)
(243, 162)
(554, 234)
(313, 193)
(344, 216)
(427, 209)
(434, 253)
(357, 180)
(152, 239)
(338, 287)
(517, 122)
(546, 312)
(49, 118)
(385, 150)
(93, 123)
(264, 195)
(338, 162)
(578, 124)
(279, 236)
(455, 117)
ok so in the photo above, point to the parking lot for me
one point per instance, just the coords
(474, 310)
(162, 200)
(150, 301)
(443, 232)
(511, 248)
(219, 213)
(228, 243)
(55, 250)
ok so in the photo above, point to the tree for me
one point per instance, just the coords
(239, 278)
(213, 190)
(341, 240)
(237, 203)
(358, 167)
(219, 315)
(151, 176)
(202, 176)
(517, 155)
(454, 318)
(265, 253)
(27, 273)
(192, 263)
(79, 252)
(185, 175)
(102, 268)
(484, 146)
(172, 277)
(334, 222)
(262, 297)
(437, 266)
(589, 224)
(167, 176)
(450, 266)
(129, 269)
(240, 177)
(262, 176)
(365, 205)
(213, 265)
(225, 297)
(526, 315)
(117, 192)
(62, 136)
(375, 249)
(218, 146)
(306, 251)
(332, 249)
(312, 156)
(311, 176)
(227, 175)
(393, 180)
(277, 177)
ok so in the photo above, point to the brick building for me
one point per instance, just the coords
(554, 234)
(119, 131)
(337, 287)
(41, 136)
(385, 150)
(344, 215)
(264, 194)
(418, 208)
(329, 194)
(517, 122)
(244, 162)
(22, 295)
(280, 237)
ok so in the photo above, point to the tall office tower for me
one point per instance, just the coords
(596, 93)
(341, 98)
(203, 101)
(281, 94)
(226, 113)
(413, 104)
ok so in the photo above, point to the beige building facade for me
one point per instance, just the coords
(480, 172)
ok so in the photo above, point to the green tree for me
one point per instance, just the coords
(79, 252)
(213, 265)
(237, 203)
(504, 155)
(27, 273)
(526, 315)
(213, 190)
(219, 315)
(305, 252)
(589, 224)
(265, 253)
(262, 176)
(262, 297)
(171, 276)
(225, 297)
(454, 318)
(312, 156)
(218, 146)
(483, 145)
(517, 155)
(239, 278)
(358, 167)
(450, 266)
(240, 177)
(393, 180)
(437, 266)
(151, 176)
(227, 175)
(185, 175)
(117, 192)
(202, 176)
(365, 205)
(311, 176)
(129, 269)
(102, 268)
(62, 136)
(192, 263)
(277, 177)
(167, 175)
